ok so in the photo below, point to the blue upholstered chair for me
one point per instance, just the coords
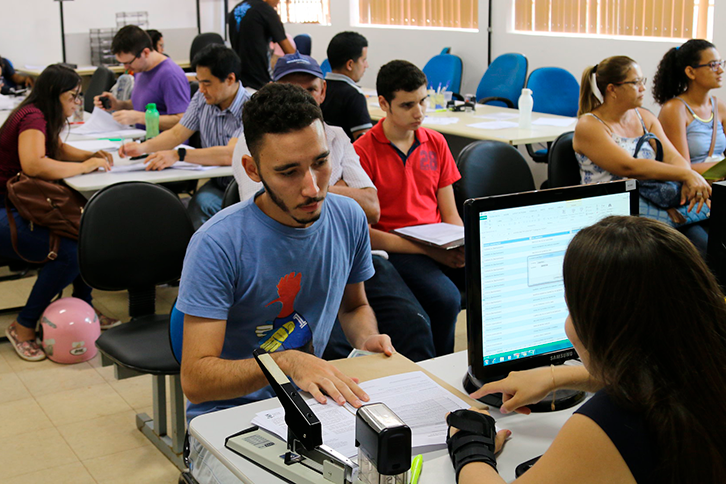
(503, 81)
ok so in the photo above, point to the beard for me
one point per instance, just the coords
(282, 206)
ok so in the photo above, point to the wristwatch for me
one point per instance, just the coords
(182, 152)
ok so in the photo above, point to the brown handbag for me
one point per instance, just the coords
(49, 204)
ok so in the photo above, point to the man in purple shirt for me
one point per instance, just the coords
(158, 80)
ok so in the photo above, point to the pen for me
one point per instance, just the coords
(416, 465)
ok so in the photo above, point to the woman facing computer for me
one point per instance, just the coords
(648, 320)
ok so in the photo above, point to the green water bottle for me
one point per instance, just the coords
(152, 121)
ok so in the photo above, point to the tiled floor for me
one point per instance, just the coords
(75, 423)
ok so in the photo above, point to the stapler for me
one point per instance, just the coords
(305, 459)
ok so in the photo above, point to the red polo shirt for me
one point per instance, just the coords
(407, 184)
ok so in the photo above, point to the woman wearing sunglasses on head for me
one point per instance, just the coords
(692, 117)
(648, 321)
(607, 136)
(30, 142)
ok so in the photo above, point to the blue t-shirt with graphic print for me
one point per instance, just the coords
(277, 287)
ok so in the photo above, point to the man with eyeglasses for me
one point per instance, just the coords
(157, 80)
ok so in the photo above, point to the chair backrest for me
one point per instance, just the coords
(505, 78)
(563, 170)
(446, 50)
(133, 236)
(491, 168)
(231, 194)
(102, 80)
(554, 91)
(203, 40)
(444, 70)
(304, 43)
(325, 67)
(193, 88)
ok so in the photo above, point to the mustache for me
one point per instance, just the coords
(310, 201)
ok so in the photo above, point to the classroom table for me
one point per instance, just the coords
(531, 434)
(512, 135)
(87, 71)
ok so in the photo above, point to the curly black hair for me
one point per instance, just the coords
(670, 79)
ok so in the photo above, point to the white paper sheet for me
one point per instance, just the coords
(439, 121)
(500, 116)
(494, 125)
(100, 122)
(440, 234)
(553, 122)
(7, 103)
(417, 400)
(95, 144)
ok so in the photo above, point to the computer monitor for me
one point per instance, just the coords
(515, 247)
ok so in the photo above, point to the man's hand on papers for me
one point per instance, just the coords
(129, 117)
(317, 376)
(161, 160)
(130, 149)
(379, 343)
(453, 258)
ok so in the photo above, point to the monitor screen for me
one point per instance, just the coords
(515, 247)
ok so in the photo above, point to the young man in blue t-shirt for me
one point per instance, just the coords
(275, 271)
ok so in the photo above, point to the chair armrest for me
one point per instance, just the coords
(537, 157)
(501, 99)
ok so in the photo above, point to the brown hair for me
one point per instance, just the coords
(653, 319)
(609, 71)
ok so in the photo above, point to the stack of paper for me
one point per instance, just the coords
(419, 401)
(102, 124)
(442, 235)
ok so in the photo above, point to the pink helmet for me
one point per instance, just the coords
(70, 330)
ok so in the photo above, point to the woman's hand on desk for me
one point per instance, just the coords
(519, 389)
(93, 164)
(103, 154)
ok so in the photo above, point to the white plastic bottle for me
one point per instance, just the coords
(525, 109)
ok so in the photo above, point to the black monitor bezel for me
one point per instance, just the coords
(472, 208)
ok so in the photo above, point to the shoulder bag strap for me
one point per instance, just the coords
(714, 106)
(644, 139)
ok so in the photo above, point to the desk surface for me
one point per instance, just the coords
(531, 434)
(89, 70)
(512, 136)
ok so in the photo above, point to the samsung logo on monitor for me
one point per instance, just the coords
(563, 355)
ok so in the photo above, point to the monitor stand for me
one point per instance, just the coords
(563, 398)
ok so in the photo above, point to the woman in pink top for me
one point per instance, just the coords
(30, 142)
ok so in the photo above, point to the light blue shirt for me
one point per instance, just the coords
(216, 127)
(277, 287)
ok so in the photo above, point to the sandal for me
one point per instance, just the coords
(28, 350)
(105, 321)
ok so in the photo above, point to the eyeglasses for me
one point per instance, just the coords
(714, 65)
(128, 63)
(635, 82)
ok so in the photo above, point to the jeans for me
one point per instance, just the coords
(54, 276)
(698, 235)
(399, 315)
(436, 292)
(205, 203)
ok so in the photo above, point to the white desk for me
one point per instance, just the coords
(531, 434)
(87, 71)
(512, 136)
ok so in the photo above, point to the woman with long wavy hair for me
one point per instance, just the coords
(648, 321)
(30, 142)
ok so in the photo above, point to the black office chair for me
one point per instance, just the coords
(303, 43)
(231, 194)
(563, 170)
(102, 80)
(490, 168)
(203, 40)
(133, 236)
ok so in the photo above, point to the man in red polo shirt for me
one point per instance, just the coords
(413, 170)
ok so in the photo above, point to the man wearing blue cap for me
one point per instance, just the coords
(398, 312)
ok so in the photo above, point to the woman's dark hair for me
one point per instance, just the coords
(653, 319)
(398, 75)
(670, 79)
(45, 95)
(609, 71)
(155, 37)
